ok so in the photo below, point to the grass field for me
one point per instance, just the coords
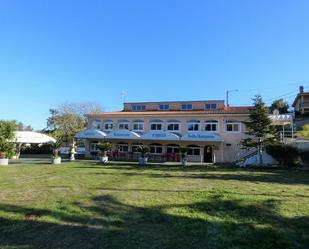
(87, 205)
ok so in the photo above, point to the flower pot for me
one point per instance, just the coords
(4, 161)
(56, 160)
(142, 160)
(103, 159)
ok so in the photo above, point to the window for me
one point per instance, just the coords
(193, 125)
(138, 108)
(123, 126)
(172, 149)
(193, 150)
(108, 126)
(96, 124)
(186, 107)
(123, 147)
(94, 146)
(155, 149)
(210, 106)
(173, 127)
(232, 127)
(164, 107)
(138, 126)
(156, 126)
(211, 125)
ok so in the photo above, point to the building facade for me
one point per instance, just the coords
(211, 131)
(301, 102)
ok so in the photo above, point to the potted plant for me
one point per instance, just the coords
(183, 156)
(104, 147)
(7, 135)
(143, 150)
(56, 159)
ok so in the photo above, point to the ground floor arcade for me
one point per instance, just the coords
(159, 151)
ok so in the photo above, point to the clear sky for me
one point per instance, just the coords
(69, 51)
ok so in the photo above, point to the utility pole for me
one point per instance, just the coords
(227, 95)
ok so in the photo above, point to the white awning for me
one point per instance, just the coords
(202, 136)
(160, 135)
(90, 134)
(31, 137)
(281, 119)
(122, 135)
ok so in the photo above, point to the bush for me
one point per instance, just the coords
(286, 155)
(305, 157)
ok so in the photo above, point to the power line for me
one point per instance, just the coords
(273, 87)
(289, 93)
(286, 95)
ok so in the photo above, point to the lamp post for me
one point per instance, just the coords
(227, 95)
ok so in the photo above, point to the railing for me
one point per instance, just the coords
(287, 136)
(242, 157)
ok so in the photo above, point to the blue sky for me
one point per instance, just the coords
(70, 51)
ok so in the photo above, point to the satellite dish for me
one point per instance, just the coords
(276, 112)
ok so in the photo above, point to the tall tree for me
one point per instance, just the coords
(23, 127)
(69, 118)
(281, 105)
(259, 128)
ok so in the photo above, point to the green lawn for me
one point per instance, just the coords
(87, 205)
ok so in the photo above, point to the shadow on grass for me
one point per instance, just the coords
(199, 190)
(109, 223)
(276, 176)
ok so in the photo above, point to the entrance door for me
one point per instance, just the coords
(208, 154)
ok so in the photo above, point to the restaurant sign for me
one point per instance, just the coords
(202, 136)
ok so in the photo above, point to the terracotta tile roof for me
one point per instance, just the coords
(225, 110)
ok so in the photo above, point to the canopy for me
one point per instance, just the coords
(31, 137)
(123, 135)
(202, 136)
(91, 134)
(160, 135)
(281, 119)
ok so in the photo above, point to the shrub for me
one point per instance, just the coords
(304, 155)
(7, 138)
(143, 150)
(286, 155)
(104, 147)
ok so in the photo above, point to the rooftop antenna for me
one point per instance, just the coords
(227, 95)
(123, 96)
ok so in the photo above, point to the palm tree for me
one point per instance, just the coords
(183, 154)
(143, 150)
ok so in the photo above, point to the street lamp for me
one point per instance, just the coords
(227, 95)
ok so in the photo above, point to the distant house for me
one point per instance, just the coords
(301, 102)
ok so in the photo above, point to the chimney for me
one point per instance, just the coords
(301, 89)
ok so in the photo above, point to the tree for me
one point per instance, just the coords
(22, 127)
(281, 105)
(259, 128)
(305, 132)
(7, 135)
(69, 118)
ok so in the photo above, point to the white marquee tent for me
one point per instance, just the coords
(31, 137)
